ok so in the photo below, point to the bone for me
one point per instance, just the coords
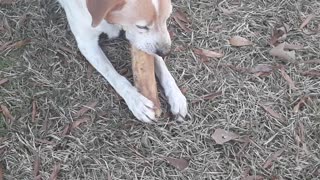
(144, 77)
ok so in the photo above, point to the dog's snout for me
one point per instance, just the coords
(163, 51)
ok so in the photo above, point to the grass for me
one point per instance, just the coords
(51, 71)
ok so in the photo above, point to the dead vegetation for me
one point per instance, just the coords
(250, 71)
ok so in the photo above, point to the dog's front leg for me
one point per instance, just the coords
(177, 100)
(140, 106)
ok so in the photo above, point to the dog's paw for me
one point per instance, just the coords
(178, 103)
(141, 107)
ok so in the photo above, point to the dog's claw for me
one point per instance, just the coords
(178, 104)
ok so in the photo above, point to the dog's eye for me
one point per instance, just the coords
(143, 27)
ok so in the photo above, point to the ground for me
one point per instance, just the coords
(50, 74)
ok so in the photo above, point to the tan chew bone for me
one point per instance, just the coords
(144, 77)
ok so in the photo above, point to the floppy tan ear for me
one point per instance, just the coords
(99, 9)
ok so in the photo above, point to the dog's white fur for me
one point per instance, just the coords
(80, 21)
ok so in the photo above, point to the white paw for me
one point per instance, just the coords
(140, 106)
(178, 103)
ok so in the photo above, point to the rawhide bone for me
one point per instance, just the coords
(144, 77)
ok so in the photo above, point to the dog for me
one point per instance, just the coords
(145, 26)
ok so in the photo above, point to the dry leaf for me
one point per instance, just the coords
(272, 158)
(279, 34)
(262, 68)
(300, 138)
(208, 53)
(15, 45)
(184, 90)
(279, 51)
(293, 47)
(66, 130)
(109, 176)
(181, 16)
(3, 81)
(77, 123)
(256, 177)
(1, 172)
(312, 73)
(288, 79)
(302, 102)
(181, 20)
(86, 108)
(5, 111)
(55, 172)
(21, 43)
(180, 164)
(36, 167)
(210, 96)
(89, 71)
(222, 136)
(34, 111)
(306, 21)
(240, 41)
(7, 1)
(271, 112)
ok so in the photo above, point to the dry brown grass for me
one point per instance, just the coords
(51, 71)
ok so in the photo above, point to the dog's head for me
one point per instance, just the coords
(143, 20)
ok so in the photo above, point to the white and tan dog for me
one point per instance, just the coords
(144, 22)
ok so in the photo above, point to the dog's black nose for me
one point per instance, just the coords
(161, 53)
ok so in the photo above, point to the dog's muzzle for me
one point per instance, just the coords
(163, 51)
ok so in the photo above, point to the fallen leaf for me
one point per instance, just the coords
(181, 16)
(256, 177)
(300, 137)
(312, 73)
(184, 90)
(210, 96)
(109, 176)
(181, 20)
(6, 113)
(4, 46)
(208, 53)
(306, 21)
(180, 164)
(89, 71)
(279, 51)
(34, 111)
(239, 41)
(262, 69)
(314, 61)
(1, 172)
(36, 167)
(3, 81)
(66, 130)
(21, 43)
(7, 2)
(288, 79)
(279, 34)
(16, 45)
(275, 178)
(55, 172)
(293, 47)
(271, 112)
(301, 103)
(221, 136)
(86, 108)
(272, 158)
(77, 122)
